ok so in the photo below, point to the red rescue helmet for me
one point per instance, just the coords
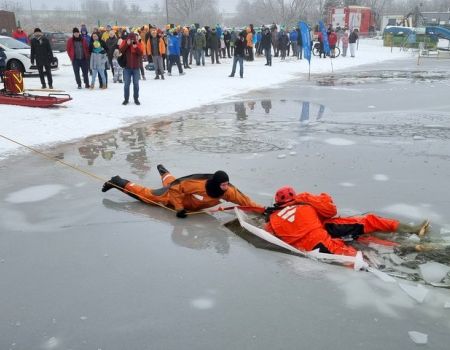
(284, 194)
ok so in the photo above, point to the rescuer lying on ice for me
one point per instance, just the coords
(308, 222)
(185, 194)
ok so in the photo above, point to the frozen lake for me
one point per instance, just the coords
(85, 270)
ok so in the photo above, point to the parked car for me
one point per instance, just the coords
(18, 56)
(57, 40)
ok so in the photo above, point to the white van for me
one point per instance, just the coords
(18, 55)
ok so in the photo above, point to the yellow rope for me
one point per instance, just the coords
(146, 200)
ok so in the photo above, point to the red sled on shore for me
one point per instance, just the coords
(13, 93)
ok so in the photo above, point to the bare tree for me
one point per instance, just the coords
(13, 6)
(193, 11)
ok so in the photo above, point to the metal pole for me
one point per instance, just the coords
(167, 12)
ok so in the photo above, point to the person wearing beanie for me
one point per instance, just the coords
(186, 194)
(42, 53)
(78, 50)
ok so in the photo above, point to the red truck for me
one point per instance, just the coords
(351, 17)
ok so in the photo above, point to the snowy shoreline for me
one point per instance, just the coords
(98, 111)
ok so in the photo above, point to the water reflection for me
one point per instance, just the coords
(239, 127)
(198, 232)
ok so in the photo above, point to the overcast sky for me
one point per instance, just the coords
(227, 5)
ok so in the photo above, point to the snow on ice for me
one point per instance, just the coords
(336, 141)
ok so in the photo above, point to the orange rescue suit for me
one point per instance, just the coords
(188, 193)
(302, 224)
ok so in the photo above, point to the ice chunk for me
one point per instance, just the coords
(445, 230)
(381, 275)
(202, 303)
(346, 184)
(371, 107)
(447, 305)
(380, 177)
(293, 153)
(418, 292)
(396, 259)
(418, 338)
(433, 272)
(417, 137)
(281, 156)
(414, 238)
(339, 142)
(83, 318)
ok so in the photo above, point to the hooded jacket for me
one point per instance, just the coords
(133, 53)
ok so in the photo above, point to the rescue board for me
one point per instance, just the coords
(357, 261)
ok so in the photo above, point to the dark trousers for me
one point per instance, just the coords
(228, 50)
(48, 73)
(84, 65)
(250, 53)
(185, 53)
(268, 53)
(174, 59)
(215, 53)
(129, 74)
(237, 59)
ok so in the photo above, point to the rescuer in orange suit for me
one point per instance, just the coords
(308, 222)
(188, 193)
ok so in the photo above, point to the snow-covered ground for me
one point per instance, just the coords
(97, 111)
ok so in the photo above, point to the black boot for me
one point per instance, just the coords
(117, 182)
(161, 169)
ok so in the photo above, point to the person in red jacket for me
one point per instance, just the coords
(78, 50)
(332, 41)
(132, 50)
(308, 222)
(20, 35)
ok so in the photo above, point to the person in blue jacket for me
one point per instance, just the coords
(174, 50)
(293, 37)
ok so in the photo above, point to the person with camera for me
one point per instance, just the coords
(133, 52)
(42, 53)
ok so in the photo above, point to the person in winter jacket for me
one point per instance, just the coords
(353, 37)
(2, 63)
(309, 222)
(240, 46)
(227, 40)
(199, 47)
(20, 35)
(185, 48)
(233, 38)
(344, 40)
(117, 69)
(266, 45)
(299, 43)
(98, 50)
(174, 52)
(332, 41)
(78, 50)
(213, 44)
(111, 44)
(85, 34)
(293, 37)
(249, 44)
(283, 42)
(133, 51)
(156, 48)
(274, 31)
(42, 53)
(186, 194)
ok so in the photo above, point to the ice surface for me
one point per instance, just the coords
(371, 107)
(418, 292)
(418, 338)
(281, 156)
(202, 303)
(433, 272)
(34, 193)
(447, 305)
(336, 141)
(380, 177)
(414, 212)
(293, 153)
(51, 343)
(445, 230)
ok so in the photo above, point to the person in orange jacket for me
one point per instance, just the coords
(308, 222)
(185, 194)
(156, 48)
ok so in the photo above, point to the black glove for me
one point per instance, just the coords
(182, 214)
